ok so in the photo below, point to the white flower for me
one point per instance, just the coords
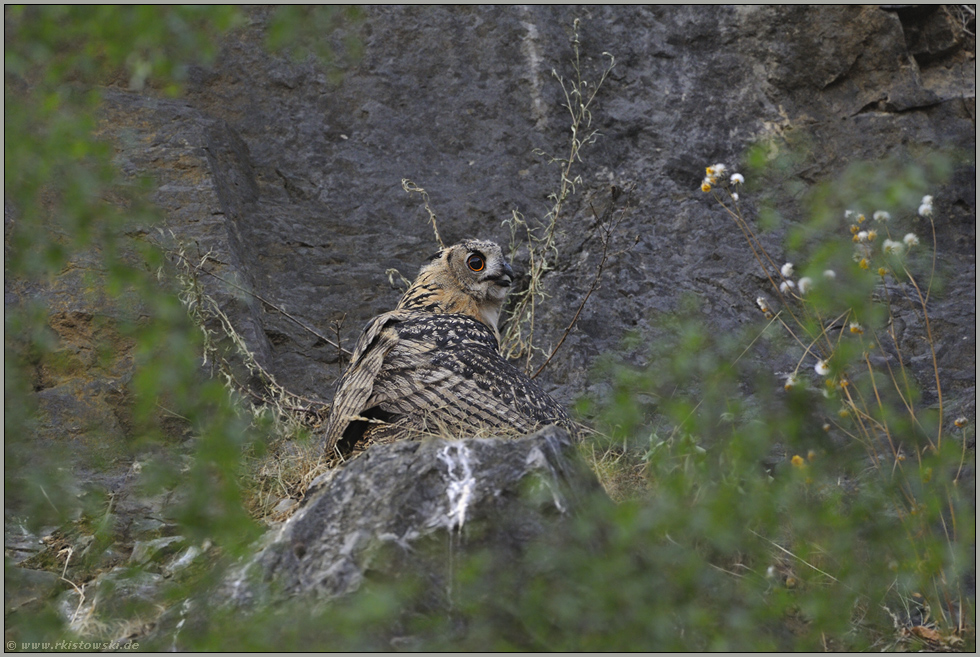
(787, 270)
(786, 286)
(856, 327)
(805, 284)
(719, 169)
(925, 209)
(737, 179)
(911, 240)
(891, 247)
(762, 303)
(791, 381)
(849, 214)
(822, 368)
(829, 274)
(863, 236)
(734, 196)
(881, 215)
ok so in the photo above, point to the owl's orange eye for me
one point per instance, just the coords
(475, 262)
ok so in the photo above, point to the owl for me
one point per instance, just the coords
(433, 364)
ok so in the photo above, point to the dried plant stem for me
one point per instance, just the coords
(412, 188)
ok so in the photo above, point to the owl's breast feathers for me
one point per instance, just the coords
(415, 371)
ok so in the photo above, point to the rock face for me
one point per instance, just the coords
(292, 180)
(412, 507)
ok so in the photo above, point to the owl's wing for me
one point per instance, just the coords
(357, 383)
(446, 370)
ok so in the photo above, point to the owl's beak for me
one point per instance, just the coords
(506, 277)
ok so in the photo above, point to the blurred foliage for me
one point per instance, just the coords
(325, 32)
(759, 528)
(74, 225)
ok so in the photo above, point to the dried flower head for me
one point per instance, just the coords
(925, 208)
(737, 179)
(786, 286)
(791, 381)
(891, 247)
(911, 240)
(822, 368)
(960, 422)
(805, 284)
(881, 215)
(787, 270)
(762, 303)
(829, 274)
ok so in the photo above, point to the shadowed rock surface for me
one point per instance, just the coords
(293, 180)
(410, 508)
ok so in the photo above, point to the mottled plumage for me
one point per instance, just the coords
(433, 364)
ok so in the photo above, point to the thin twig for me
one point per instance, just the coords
(412, 188)
(800, 559)
(255, 295)
(592, 288)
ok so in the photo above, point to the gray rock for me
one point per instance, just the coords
(156, 549)
(400, 507)
(182, 560)
(23, 586)
(109, 597)
(19, 543)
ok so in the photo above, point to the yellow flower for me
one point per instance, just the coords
(882, 272)
(856, 328)
(798, 461)
(811, 456)
(854, 229)
(860, 218)
(705, 186)
(960, 422)
(864, 263)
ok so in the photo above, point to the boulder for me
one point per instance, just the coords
(414, 507)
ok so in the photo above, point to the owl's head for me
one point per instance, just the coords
(479, 268)
(471, 277)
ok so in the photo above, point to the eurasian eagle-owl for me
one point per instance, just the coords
(433, 364)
